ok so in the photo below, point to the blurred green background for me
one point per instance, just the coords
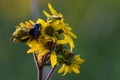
(95, 22)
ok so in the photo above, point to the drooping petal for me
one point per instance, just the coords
(70, 41)
(61, 69)
(70, 69)
(66, 70)
(75, 69)
(53, 59)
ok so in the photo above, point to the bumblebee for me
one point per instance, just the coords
(23, 34)
(35, 31)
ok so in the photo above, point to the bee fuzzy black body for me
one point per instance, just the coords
(35, 30)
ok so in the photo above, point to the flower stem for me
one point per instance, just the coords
(50, 73)
(39, 67)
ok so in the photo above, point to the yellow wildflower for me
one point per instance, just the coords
(74, 66)
(59, 24)
(51, 41)
(21, 33)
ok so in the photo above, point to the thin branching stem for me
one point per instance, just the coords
(50, 73)
(38, 66)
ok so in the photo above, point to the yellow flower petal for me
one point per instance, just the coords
(31, 43)
(40, 54)
(72, 35)
(28, 25)
(66, 70)
(24, 37)
(78, 60)
(70, 69)
(61, 69)
(56, 25)
(46, 14)
(61, 42)
(70, 41)
(53, 59)
(22, 24)
(53, 11)
(75, 69)
(32, 50)
(42, 22)
(31, 22)
(67, 29)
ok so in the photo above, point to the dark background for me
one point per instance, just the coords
(95, 22)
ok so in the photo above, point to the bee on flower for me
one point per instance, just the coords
(51, 40)
(26, 31)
